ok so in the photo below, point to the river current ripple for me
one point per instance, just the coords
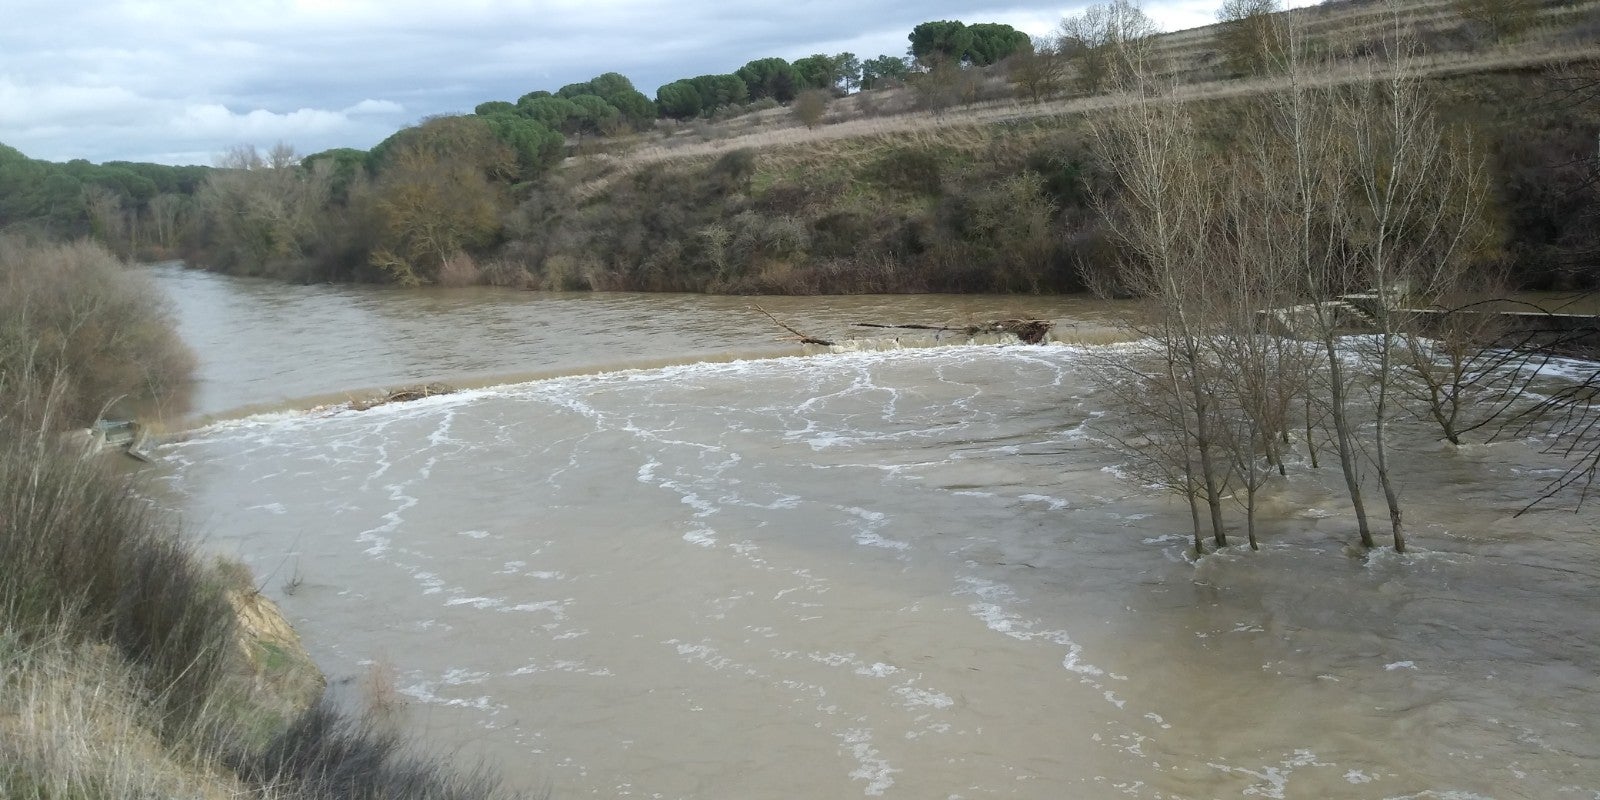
(903, 573)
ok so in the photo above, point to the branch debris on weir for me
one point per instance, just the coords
(400, 396)
(803, 338)
(1028, 331)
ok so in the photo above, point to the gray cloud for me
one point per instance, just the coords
(179, 81)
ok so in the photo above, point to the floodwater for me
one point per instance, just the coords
(699, 563)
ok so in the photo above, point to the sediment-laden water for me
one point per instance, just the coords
(908, 573)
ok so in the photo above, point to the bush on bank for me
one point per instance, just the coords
(73, 317)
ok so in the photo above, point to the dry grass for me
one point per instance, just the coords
(459, 270)
(74, 723)
(1012, 111)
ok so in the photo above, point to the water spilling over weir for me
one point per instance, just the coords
(914, 573)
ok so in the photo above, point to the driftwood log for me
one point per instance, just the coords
(1029, 331)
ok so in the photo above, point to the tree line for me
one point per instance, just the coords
(118, 201)
(475, 198)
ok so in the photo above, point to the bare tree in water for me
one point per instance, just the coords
(1328, 193)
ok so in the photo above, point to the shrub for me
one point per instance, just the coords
(810, 106)
(81, 554)
(325, 755)
(733, 171)
(459, 270)
(909, 169)
(72, 313)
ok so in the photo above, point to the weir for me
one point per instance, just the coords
(1531, 328)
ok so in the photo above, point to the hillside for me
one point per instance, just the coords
(1566, 31)
(964, 176)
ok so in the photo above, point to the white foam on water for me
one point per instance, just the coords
(702, 536)
(1272, 781)
(431, 583)
(833, 659)
(1399, 665)
(428, 692)
(711, 657)
(877, 669)
(1169, 538)
(562, 665)
(460, 677)
(913, 697)
(1448, 794)
(871, 767)
(868, 524)
(1055, 503)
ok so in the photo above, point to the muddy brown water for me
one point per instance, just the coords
(699, 563)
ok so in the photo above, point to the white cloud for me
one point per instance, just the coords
(55, 104)
(370, 106)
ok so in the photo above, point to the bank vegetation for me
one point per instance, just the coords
(131, 665)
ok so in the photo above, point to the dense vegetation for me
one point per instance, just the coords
(135, 205)
(124, 669)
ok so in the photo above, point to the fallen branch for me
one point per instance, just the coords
(803, 338)
(1029, 331)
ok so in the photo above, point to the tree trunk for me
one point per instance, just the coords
(1345, 441)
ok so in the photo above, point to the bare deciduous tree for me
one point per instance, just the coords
(1165, 221)
(1331, 203)
(1249, 36)
(1416, 229)
(1037, 72)
(1108, 45)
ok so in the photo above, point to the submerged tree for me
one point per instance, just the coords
(1331, 202)
(1166, 223)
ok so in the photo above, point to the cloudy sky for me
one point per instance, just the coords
(180, 81)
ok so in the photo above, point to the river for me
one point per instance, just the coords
(656, 553)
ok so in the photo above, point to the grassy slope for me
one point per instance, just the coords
(1564, 33)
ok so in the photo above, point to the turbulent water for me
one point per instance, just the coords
(914, 573)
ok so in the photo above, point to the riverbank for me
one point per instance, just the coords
(130, 664)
